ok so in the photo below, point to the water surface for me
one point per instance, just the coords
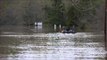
(35, 43)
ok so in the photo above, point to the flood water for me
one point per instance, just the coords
(24, 43)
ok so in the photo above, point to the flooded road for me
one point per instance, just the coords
(51, 46)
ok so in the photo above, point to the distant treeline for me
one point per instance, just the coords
(80, 13)
(84, 14)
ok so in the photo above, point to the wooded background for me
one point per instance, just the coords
(85, 15)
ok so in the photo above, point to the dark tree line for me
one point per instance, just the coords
(78, 14)
(84, 14)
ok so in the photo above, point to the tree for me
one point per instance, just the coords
(55, 13)
(73, 15)
(80, 12)
(29, 17)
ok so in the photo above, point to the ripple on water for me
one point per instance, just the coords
(56, 46)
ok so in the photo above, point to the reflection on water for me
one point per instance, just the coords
(52, 46)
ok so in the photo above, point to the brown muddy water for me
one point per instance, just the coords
(24, 43)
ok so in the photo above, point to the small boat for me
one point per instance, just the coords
(68, 31)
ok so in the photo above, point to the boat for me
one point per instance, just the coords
(68, 31)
